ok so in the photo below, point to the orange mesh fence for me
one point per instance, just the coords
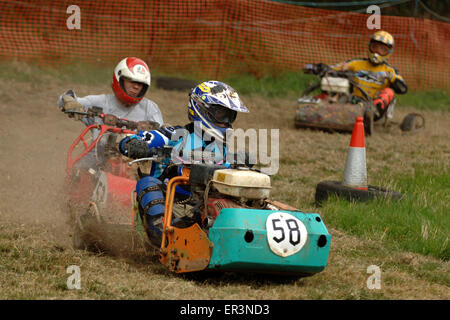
(217, 38)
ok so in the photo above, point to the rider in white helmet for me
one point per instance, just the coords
(131, 80)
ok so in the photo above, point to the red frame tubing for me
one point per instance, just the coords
(103, 129)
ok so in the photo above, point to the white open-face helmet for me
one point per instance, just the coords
(134, 69)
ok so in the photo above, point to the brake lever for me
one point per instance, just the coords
(142, 159)
(159, 154)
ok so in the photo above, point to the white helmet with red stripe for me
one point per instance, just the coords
(133, 69)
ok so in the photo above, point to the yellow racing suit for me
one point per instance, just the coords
(373, 78)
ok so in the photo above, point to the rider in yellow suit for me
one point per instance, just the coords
(373, 74)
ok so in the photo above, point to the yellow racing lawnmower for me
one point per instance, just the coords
(335, 107)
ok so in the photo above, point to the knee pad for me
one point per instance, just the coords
(382, 101)
(384, 98)
(151, 207)
(150, 197)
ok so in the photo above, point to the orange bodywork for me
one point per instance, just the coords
(183, 249)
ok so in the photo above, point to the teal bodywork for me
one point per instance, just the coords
(233, 251)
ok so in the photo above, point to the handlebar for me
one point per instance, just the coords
(322, 70)
(114, 121)
(90, 113)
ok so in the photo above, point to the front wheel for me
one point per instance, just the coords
(82, 233)
(78, 237)
(368, 122)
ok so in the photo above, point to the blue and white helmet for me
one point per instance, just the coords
(215, 104)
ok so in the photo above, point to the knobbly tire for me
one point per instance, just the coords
(80, 237)
(77, 239)
(412, 122)
(325, 189)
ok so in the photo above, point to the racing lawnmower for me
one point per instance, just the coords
(232, 223)
(335, 108)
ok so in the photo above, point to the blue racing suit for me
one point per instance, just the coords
(189, 145)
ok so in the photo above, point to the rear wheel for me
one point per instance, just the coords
(413, 122)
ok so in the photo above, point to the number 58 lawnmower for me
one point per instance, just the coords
(232, 225)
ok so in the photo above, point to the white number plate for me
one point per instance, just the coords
(285, 233)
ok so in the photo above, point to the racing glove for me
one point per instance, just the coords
(110, 119)
(71, 104)
(308, 68)
(320, 68)
(315, 68)
(133, 147)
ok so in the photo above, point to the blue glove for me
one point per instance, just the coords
(133, 147)
(122, 148)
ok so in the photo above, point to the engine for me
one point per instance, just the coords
(213, 207)
(215, 188)
(240, 183)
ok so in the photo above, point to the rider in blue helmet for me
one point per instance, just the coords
(212, 109)
(215, 104)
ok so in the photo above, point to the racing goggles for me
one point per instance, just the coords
(219, 114)
(379, 47)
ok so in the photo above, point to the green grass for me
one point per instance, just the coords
(290, 84)
(77, 72)
(418, 223)
(426, 100)
(287, 84)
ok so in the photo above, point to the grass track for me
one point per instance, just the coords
(412, 253)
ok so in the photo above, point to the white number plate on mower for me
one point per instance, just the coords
(285, 233)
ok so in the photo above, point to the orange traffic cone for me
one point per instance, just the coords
(355, 173)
